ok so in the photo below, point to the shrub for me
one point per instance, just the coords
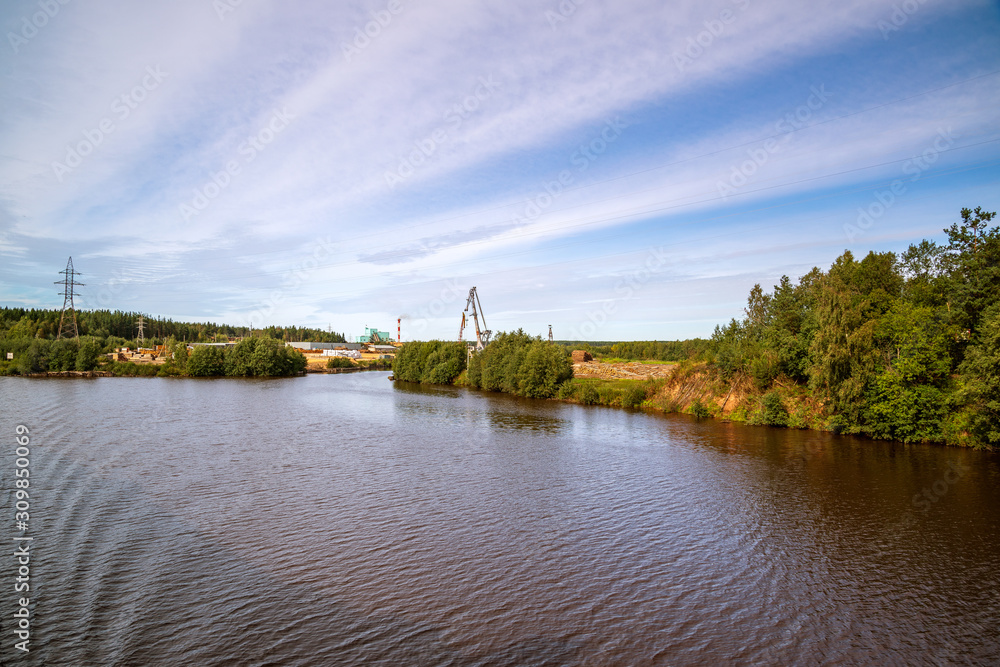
(518, 364)
(700, 410)
(609, 396)
(206, 361)
(764, 371)
(773, 412)
(88, 354)
(130, 369)
(434, 361)
(339, 362)
(634, 397)
(261, 357)
(588, 394)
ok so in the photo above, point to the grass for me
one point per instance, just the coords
(613, 393)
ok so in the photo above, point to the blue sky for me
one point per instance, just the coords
(619, 170)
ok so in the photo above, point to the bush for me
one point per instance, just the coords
(88, 355)
(700, 410)
(588, 395)
(634, 397)
(434, 361)
(262, 357)
(516, 363)
(773, 412)
(339, 362)
(130, 369)
(205, 361)
(168, 370)
(764, 370)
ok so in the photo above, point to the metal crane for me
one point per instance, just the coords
(482, 334)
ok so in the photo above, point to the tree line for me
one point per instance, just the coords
(103, 324)
(259, 356)
(30, 336)
(892, 346)
(903, 347)
(514, 363)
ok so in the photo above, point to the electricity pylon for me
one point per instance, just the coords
(139, 323)
(67, 325)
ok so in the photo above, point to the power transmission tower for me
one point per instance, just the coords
(67, 324)
(139, 323)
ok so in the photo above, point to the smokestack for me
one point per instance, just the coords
(399, 337)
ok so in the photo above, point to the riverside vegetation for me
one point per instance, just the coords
(30, 336)
(902, 347)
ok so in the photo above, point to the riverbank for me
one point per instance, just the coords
(693, 388)
(72, 374)
(149, 370)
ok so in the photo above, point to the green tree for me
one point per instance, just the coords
(89, 353)
(24, 328)
(34, 358)
(433, 361)
(262, 357)
(543, 369)
(773, 412)
(907, 400)
(62, 354)
(517, 363)
(973, 261)
(980, 381)
(206, 361)
(847, 349)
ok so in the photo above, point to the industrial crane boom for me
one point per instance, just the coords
(482, 333)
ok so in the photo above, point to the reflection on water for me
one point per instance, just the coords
(344, 519)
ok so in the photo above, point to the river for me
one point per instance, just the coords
(348, 520)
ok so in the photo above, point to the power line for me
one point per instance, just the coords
(67, 324)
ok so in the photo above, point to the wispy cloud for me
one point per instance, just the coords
(146, 136)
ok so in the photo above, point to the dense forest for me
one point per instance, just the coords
(102, 324)
(900, 347)
(31, 336)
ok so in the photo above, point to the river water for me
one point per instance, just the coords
(348, 520)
